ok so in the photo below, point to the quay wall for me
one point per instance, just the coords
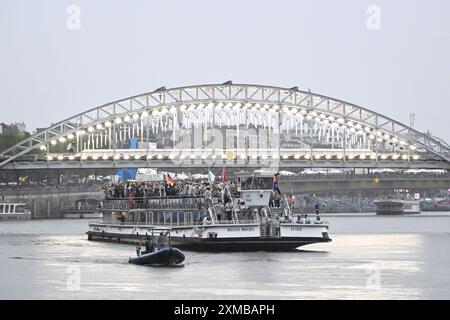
(51, 203)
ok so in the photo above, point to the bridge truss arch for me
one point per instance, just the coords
(233, 124)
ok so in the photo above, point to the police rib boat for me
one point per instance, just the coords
(158, 251)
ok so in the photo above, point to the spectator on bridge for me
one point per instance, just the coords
(70, 148)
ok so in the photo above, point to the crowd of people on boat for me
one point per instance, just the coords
(300, 218)
(221, 191)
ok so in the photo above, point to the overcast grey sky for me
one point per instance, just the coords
(49, 72)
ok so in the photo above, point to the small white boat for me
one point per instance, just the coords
(14, 211)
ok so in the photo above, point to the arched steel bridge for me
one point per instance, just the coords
(237, 125)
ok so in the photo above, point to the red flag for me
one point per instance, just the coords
(224, 174)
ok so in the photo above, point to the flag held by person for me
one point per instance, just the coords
(169, 180)
(224, 175)
(211, 176)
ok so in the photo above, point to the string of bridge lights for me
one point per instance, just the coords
(131, 156)
(286, 119)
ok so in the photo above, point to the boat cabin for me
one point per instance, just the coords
(255, 189)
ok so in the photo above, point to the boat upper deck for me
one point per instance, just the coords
(156, 203)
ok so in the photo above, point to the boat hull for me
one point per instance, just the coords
(217, 244)
(166, 256)
(15, 216)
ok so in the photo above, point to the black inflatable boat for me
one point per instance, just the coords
(163, 257)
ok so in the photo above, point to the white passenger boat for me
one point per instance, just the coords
(253, 225)
(14, 211)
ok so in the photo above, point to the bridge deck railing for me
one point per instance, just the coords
(387, 176)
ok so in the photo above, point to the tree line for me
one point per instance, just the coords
(10, 137)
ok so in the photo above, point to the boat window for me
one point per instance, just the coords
(263, 183)
(11, 208)
(256, 183)
(1, 208)
(246, 183)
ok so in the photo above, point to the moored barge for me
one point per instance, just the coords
(397, 206)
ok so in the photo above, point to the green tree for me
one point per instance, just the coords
(11, 137)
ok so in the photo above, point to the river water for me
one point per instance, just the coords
(371, 257)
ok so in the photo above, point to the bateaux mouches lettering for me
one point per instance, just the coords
(239, 229)
(186, 310)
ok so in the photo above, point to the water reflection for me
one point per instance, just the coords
(391, 259)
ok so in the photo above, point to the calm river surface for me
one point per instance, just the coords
(370, 257)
